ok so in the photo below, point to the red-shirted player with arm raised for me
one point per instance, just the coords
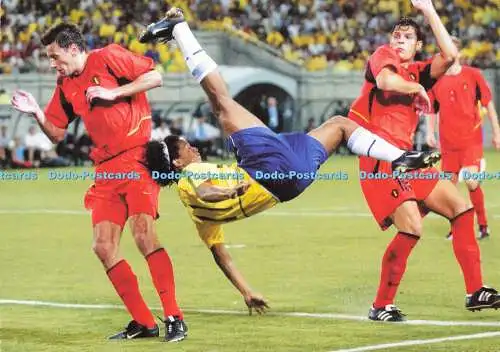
(106, 88)
(456, 96)
(395, 89)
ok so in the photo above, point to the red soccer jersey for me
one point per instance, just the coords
(390, 115)
(113, 126)
(456, 99)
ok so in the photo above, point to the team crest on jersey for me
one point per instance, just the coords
(96, 80)
(413, 77)
(395, 193)
(466, 86)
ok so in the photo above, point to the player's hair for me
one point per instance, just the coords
(64, 34)
(408, 22)
(157, 159)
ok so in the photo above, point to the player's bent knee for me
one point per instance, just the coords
(105, 249)
(459, 208)
(411, 225)
(472, 185)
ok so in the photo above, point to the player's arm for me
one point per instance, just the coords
(493, 117)
(431, 130)
(211, 193)
(144, 82)
(225, 263)
(484, 96)
(139, 70)
(389, 80)
(25, 102)
(449, 51)
(213, 236)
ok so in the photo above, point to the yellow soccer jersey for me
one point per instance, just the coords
(208, 216)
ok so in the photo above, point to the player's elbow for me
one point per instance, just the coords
(383, 82)
(451, 56)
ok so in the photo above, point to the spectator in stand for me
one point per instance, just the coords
(4, 147)
(319, 34)
(176, 128)
(311, 125)
(161, 132)
(201, 135)
(18, 152)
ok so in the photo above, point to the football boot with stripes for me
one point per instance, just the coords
(484, 298)
(389, 313)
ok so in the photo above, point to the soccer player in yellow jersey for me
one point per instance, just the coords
(258, 151)
(213, 194)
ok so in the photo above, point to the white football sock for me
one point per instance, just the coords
(197, 60)
(363, 142)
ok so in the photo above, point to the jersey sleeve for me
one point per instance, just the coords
(483, 91)
(58, 111)
(383, 57)
(126, 64)
(424, 76)
(210, 233)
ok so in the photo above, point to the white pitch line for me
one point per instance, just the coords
(270, 213)
(421, 342)
(44, 211)
(332, 316)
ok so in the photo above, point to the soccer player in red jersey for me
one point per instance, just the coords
(394, 90)
(106, 88)
(456, 96)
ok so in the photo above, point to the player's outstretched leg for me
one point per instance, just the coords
(232, 116)
(362, 142)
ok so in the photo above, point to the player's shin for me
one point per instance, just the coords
(162, 273)
(394, 267)
(466, 250)
(125, 282)
(197, 60)
(477, 198)
(363, 142)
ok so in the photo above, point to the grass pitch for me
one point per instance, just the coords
(317, 254)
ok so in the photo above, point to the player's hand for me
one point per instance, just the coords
(97, 92)
(242, 188)
(256, 301)
(422, 101)
(430, 140)
(24, 102)
(423, 5)
(496, 141)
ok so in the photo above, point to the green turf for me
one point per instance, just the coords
(296, 256)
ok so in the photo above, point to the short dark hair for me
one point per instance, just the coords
(64, 34)
(157, 160)
(408, 22)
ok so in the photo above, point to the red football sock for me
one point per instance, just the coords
(393, 267)
(125, 282)
(477, 198)
(467, 250)
(162, 273)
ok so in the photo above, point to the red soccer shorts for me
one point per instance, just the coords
(123, 187)
(455, 160)
(385, 194)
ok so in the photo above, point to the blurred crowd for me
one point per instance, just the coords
(31, 148)
(320, 34)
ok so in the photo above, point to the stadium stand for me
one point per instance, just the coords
(320, 34)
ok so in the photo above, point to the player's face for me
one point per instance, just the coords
(404, 41)
(187, 154)
(64, 60)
